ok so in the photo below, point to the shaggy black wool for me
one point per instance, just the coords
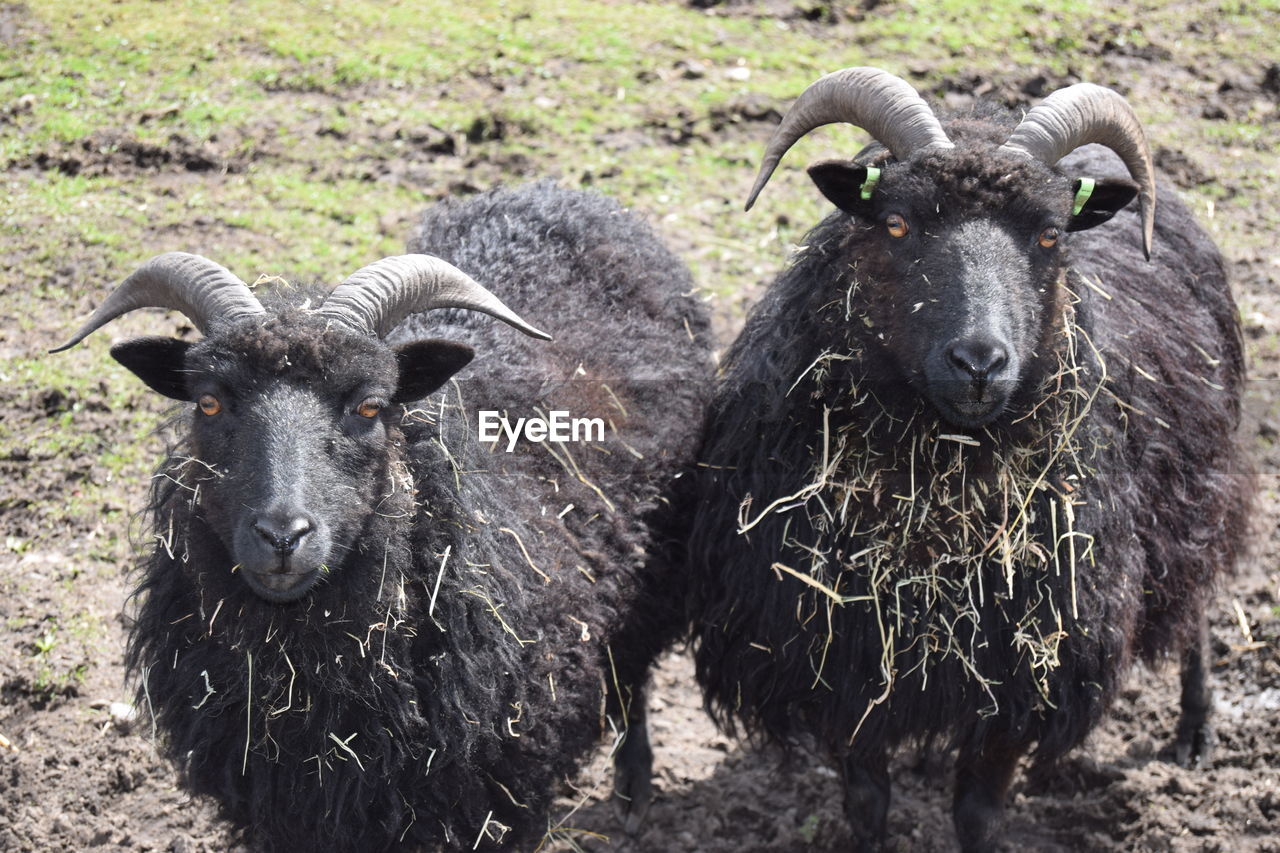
(849, 555)
(495, 610)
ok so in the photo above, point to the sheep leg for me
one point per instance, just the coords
(1194, 746)
(633, 765)
(866, 798)
(982, 781)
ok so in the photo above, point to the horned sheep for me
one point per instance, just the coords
(360, 627)
(972, 454)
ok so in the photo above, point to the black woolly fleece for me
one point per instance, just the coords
(459, 663)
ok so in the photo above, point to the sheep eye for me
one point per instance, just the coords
(1049, 237)
(897, 225)
(369, 408)
(209, 404)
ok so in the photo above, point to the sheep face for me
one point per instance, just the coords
(295, 431)
(960, 252)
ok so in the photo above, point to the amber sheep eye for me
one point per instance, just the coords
(1049, 237)
(897, 225)
(368, 409)
(209, 404)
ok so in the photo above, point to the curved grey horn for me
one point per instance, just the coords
(377, 297)
(1084, 113)
(206, 292)
(885, 106)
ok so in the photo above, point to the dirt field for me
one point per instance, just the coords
(75, 450)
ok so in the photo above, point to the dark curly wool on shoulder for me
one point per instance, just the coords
(362, 627)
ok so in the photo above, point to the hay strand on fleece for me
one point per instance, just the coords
(928, 535)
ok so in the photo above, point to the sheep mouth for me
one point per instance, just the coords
(281, 587)
(968, 413)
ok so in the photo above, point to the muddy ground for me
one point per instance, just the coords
(70, 779)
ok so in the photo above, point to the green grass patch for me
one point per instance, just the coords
(299, 102)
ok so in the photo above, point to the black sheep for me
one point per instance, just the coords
(361, 627)
(962, 467)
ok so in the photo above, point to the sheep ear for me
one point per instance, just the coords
(1097, 201)
(159, 362)
(846, 185)
(426, 365)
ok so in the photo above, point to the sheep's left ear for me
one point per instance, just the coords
(159, 362)
(846, 184)
(426, 365)
(1097, 201)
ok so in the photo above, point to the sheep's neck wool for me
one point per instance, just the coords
(932, 532)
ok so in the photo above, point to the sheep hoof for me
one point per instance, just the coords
(632, 796)
(633, 772)
(982, 784)
(1194, 747)
(867, 790)
(977, 825)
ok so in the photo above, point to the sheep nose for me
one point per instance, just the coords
(283, 533)
(981, 359)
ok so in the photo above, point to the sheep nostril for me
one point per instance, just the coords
(979, 359)
(283, 535)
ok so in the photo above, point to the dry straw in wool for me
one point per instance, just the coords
(922, 539)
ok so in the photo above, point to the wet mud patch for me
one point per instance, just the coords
(112, 152)
(16, 24)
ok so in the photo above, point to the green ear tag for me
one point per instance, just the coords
(1082, 194)
(869, 184)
